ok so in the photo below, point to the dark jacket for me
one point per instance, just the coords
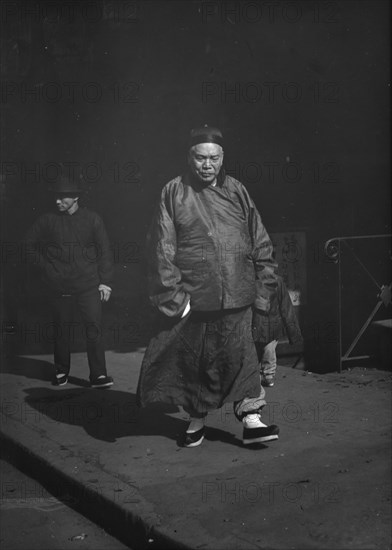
(72, 251)
(208, 244)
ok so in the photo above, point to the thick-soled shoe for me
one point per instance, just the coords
(268, 381)
(257, 432)
(60, 380)
(102, 382)
(193, 439)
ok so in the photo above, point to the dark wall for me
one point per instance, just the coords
(111, 88)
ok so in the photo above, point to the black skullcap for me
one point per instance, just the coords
(205, 134)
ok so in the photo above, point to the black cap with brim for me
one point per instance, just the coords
(66, 187)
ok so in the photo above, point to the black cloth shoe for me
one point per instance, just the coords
(260, 435)
(104, 382)
(268, 381)
(195, 438)
(257, 432)
(60, 380)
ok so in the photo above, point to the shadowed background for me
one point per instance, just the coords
(111, 89)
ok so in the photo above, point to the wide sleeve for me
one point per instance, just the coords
(165, 287)
(105, 257)
(263, 259)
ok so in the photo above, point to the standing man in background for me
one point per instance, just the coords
(72, 250)
(209, 262)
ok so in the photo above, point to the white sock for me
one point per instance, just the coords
(195, 425)
(254, 419)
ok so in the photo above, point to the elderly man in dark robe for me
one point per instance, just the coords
(210, 263)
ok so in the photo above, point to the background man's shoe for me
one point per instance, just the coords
(102, 382)
(257, 432)
(60, 380)
(194, 439)
(268, 381)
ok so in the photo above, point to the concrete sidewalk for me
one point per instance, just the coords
(324, 484)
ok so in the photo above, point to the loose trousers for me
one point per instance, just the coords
(90, 309)
(201, 362)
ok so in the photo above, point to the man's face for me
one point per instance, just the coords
(67, 204)
(205, 161)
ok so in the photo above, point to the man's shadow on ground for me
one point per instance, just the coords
(105, 414)
(28, 367)
(108, 415)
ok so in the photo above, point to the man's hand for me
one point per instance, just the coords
(105, 292)
(186, 310)
(262, 312)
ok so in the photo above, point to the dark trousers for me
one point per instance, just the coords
(90, 308)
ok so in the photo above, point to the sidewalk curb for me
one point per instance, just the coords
(135, 528)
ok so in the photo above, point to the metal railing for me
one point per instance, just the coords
(333, 249)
